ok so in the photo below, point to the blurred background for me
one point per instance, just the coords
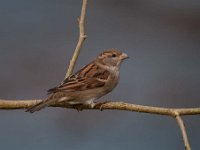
(162, 38)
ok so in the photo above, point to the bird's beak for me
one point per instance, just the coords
(124, 56)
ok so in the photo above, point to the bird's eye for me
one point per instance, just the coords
(114, 55)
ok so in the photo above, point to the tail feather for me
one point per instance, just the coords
(40, 105)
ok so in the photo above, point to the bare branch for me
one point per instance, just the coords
(173, 112)
(22, 104)
(183, 131)
(82, 38)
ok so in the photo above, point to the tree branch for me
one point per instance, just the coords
(82, 38)
(173, 112)
(24, 104)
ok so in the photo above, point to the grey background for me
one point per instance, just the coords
(162, 38)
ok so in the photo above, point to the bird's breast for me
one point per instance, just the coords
(112, 81)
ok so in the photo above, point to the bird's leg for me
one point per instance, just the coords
(91, 104)
(78, 107)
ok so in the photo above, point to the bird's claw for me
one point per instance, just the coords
(78, 107)
(101, 104)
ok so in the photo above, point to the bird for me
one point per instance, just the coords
(93, 81)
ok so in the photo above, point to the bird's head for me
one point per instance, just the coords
(111, 57)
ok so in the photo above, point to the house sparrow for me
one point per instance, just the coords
(88, 84)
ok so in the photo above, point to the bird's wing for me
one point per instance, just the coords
(89, 77)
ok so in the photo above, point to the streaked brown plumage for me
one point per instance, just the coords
(88, 84)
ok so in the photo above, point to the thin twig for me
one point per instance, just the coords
(82, 38)
(183, 131)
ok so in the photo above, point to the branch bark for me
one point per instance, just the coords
(82, 37)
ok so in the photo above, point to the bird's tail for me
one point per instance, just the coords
(50, 100)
